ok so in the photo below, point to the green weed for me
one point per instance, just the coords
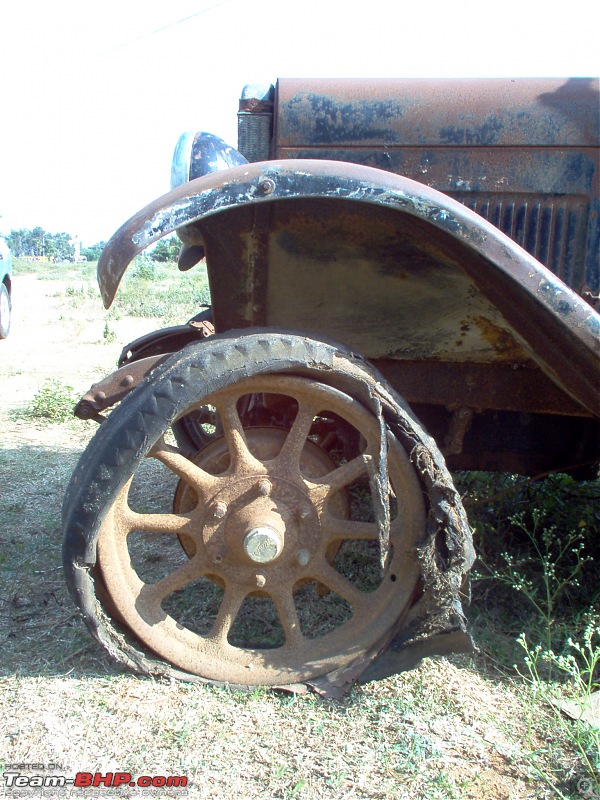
(548, 564)
(539, 556)
(53, 402)
(577, 678)
(539, 570)
(144, 268)
(108, 334)
(51, 272)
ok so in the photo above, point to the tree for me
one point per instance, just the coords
(40, 243)
(17, 241)
(93, 252)
(61, 245)
(166, 250)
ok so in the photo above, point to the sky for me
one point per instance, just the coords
(94, 95)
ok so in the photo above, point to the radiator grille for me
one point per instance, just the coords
(554, 231)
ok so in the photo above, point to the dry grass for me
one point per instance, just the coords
(425, 734)
(450, 729)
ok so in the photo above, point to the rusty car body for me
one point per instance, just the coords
(398, 270)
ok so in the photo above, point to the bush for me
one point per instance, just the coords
(155, 290)
(54, 402)
(538, 546)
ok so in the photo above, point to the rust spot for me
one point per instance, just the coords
(500, 339)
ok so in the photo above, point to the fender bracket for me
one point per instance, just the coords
(114, 387)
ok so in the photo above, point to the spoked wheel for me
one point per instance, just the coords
(258, 561)
(264, 515)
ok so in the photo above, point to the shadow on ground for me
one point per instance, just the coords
(41, 632)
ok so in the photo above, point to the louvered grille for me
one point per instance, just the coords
(554, 231)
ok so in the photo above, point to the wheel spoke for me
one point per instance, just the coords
(345, 474)
(290, 454)
(202, 482)
(288, 616)
(159, 523)
(230, 605)
(335, 529)
(152, 594)
(242, 459)
(329, 577)
(122, 512)
(129, 520)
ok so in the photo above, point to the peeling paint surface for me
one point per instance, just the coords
(523, 153)
(456, 112)
(507, 280)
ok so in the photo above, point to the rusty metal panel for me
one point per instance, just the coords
(506, 387)
(545, 201)
(501, 112)
(522, 153)
(553, 230)
(378, 282)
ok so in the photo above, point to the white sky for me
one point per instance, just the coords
(95, 94)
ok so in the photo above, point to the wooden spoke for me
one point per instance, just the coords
(329, 577)
(154, 593)
(159, 523)
(345, 474)
(288, 616)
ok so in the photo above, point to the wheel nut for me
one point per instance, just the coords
(219, 510)
(260, 581)
(263, 487)
(303, 557)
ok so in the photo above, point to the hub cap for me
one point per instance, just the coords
(262, 544)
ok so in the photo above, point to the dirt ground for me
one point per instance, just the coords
(442, 731)
(59, 337)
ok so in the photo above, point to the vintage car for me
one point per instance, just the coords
(403, 276)
(5, 289)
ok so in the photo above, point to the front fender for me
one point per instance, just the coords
(537, 314)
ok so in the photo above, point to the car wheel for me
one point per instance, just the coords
(262, 559)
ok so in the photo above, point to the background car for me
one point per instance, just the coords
(5, 289)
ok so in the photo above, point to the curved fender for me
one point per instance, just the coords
(557, 328)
